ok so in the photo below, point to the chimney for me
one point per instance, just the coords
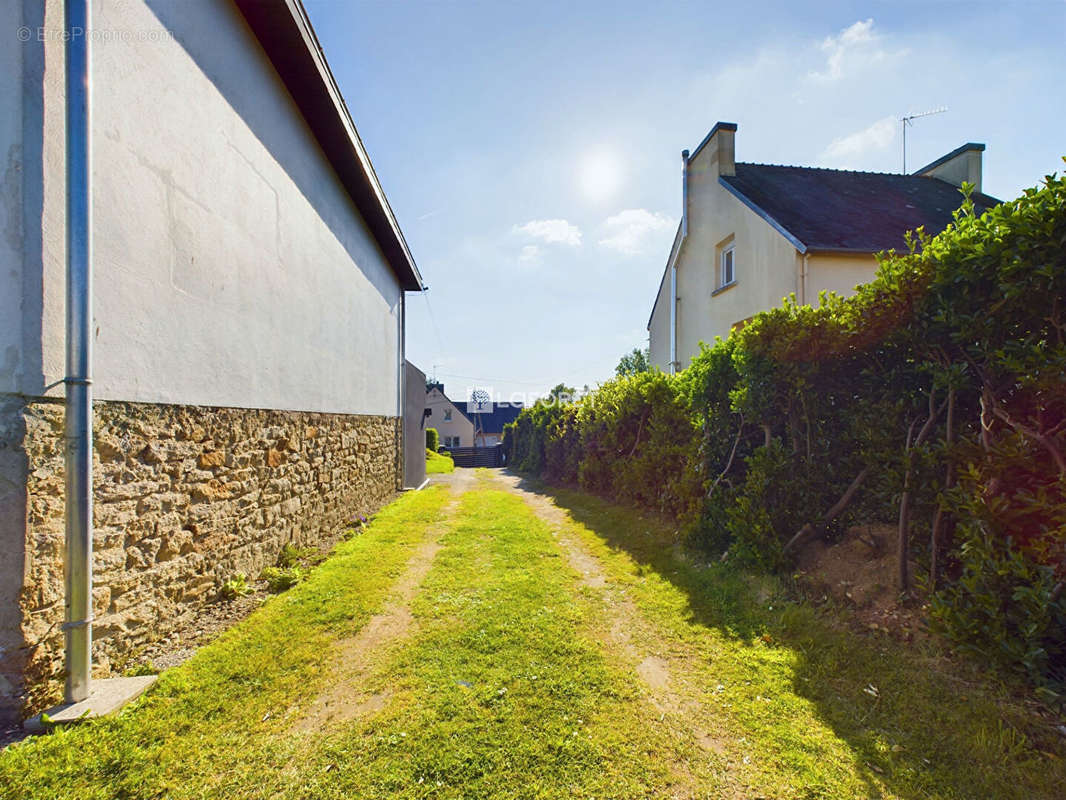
(961, 164)
(720, 146)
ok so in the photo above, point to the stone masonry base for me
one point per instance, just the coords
(185, 496)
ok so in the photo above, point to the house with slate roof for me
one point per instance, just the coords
(751, 234)
(488, 428)
(459, 426)
(448, 417)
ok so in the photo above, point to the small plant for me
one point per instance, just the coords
(292, 556)
(235, 587)
(147, 668)
(279, 579)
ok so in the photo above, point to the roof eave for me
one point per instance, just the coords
(286, 36)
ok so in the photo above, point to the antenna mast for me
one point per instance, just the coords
(908, 120)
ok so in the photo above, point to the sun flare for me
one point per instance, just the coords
(599, 175)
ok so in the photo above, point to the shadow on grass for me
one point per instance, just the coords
(917, 724)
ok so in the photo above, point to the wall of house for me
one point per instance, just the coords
(185, 497)
(240, 303)
(839, 273)
(765, 262)
(248, 278)
(659, 326)
(459, 425)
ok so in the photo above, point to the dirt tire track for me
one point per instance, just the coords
(657, 670)
(346, 698)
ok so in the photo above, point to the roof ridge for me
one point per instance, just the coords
(830, 169)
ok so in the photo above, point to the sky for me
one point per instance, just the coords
(531, 151)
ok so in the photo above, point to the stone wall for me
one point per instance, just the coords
(184, 497)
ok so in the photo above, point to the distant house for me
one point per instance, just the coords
(751, 234)
(488, 427)
(458, 426)
(451, 421)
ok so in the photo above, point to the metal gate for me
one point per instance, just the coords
(477, 456)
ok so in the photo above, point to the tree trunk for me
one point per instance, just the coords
(943, 524)
(904, 534)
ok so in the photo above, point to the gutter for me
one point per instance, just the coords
(78, 417)
(673, 262)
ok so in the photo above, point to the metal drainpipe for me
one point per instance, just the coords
(78, 569)
(803, 279)
(673, 265)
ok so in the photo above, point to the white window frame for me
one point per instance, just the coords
(729, 251)
(447, 415)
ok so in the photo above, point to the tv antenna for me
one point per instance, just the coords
(909, 120)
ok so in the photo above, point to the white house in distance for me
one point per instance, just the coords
(248, 330)
(751, 234)
(451, 422)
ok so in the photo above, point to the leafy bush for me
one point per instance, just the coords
(432, 439)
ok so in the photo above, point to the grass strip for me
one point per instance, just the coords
(810, 708)
(499, 694)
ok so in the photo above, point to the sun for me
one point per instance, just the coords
(599, 175)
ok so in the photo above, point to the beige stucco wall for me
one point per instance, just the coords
(839, 273)
(459, 425)
(659, 326)
(766, 264)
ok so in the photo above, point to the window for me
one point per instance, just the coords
(728, 273)
(725, 266)
(451, 441)
(447, 415)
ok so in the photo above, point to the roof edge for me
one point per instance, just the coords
(718, 126)
(976, 146)
(777, 226)
(285, 33)
(674, 248)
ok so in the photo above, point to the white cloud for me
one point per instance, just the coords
(854, 47)
(853, 149)
(530, 254)
(629, 232)
(551, 231)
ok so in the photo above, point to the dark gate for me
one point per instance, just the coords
(477, 456)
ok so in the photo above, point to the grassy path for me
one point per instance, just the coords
(486, 640)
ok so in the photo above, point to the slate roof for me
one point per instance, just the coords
(830, 209)
(502, 413)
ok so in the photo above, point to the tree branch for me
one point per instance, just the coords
(729, 463)
(808, 531)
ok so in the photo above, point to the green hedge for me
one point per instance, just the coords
(432, 439)
(934, 399)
